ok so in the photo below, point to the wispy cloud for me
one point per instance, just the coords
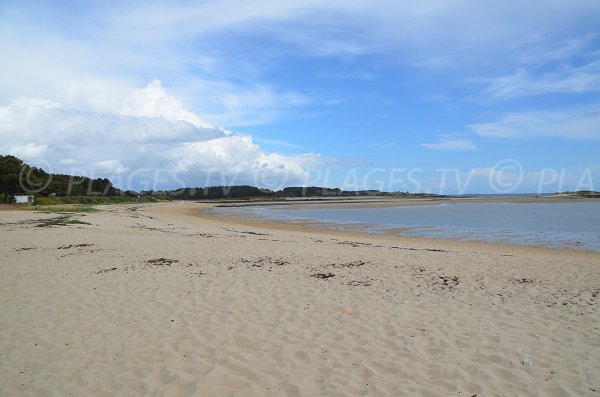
(570, 66)
(438, 97)
(278, 142)
(580, 79)
(579, 123)
(557, 52)
(382, 146)
(450, 144)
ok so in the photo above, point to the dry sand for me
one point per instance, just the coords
(156, 300)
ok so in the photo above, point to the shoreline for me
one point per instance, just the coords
(329, 228)
(199, 210)
(377, 202)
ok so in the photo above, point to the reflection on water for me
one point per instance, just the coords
(564, 225)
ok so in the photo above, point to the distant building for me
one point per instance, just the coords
(24, 199)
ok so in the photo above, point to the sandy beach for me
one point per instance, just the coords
(161, 300)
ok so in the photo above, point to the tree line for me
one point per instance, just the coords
(17, 177)
(246, 191)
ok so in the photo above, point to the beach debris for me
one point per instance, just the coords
(323, 275)
(360, 283)
(63, 220)
(154, 229)
(449, 281)
(262, 261)
(161, 262)
(524, 280)
(349, 314)
(526, 361)
(359, 244)
(254, 233)
(419, 249)
(66, 247)
(570, 298)
(349, 264)
(207, 235)
(246, 232)
(105, 270)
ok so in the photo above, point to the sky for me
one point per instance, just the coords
(447, 97)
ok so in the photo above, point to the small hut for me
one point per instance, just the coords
(24, 199)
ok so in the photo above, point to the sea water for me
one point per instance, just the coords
(559, 225)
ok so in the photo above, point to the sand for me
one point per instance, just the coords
(158, 300)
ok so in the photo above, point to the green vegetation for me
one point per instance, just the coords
(251, 192)
(10, 168)
(17, 177)
(93, 200)
(77, 193)
(63, 220)
(63, 208)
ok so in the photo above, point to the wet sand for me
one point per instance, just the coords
(399, 201)
(161, 299)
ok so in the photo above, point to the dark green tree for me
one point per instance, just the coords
(10, 169)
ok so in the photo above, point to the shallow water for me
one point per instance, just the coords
(559, 225)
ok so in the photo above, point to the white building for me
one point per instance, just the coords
(24, 199)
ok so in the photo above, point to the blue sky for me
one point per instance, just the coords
(433, 96)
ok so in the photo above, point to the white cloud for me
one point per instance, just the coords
(41, 121)
(278, 142)
(114, 167)
(29, 151)
(98, 72)
(222, 102)
(582, 123)
(237, 160)
(157, 134)
(109, 96)
(154, 101)
(448, 144)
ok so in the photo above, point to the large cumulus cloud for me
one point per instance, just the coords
(143, 139)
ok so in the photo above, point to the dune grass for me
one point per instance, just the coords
(93, 200)
(63, 208)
